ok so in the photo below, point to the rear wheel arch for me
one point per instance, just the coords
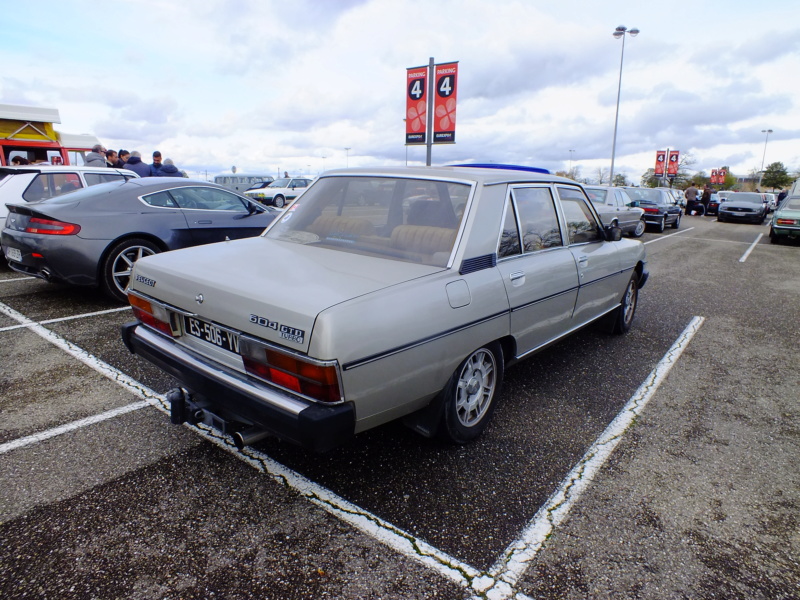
(102, 263)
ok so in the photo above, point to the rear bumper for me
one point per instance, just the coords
(238, 397)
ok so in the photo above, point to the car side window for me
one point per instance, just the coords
(509, 238)
(582, 227)
(215, 199)
(538, 222)
(97, 178)
(161, 199)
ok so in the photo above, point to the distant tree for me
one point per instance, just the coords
(601, 176)
(620, 180)
(776, 176)
(574, 174)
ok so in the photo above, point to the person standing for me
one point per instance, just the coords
(97, 157)
(136, 165)
(122, 158)
(168, 169)
(690, 194)
(155, 168)
(705, 198)
(111, 159)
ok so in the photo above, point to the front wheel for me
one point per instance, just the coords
(622, 317)
(640, 227)
(118, 264)
(469, 397)
(279, 201)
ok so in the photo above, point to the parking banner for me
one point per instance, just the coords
(661, 158)
(672, 167)
(714, 174)
(721, 174)
(416, 104)
(444, 115)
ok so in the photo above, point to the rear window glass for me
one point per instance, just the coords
(50, 185)
(413, 220)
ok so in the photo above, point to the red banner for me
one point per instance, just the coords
(416, 105)
(721, 174)
(714, 174)
(672, 167)
(661, 158)
(444, 103)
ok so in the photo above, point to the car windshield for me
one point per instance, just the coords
(646, 195)
(413, 220)
(281, 183)
(746, 197)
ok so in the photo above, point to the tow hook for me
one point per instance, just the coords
(177, 405)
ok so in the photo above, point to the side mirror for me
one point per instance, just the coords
(613, 233)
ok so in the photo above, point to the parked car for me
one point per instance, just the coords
(280, 192)
(743, 206)
(29, 184)
(93, 236)
(713, 204)
(660, 206)
(785, 222)
(408, 309)
(616, 207)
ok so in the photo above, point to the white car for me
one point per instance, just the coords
(280, 192)
(39, 182)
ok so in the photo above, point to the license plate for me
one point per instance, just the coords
(208, 332)
(14, 254)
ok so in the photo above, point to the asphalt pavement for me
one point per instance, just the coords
(660, 464)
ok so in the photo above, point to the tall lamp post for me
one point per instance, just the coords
(763, 156)
(619, 32)
(347, 158)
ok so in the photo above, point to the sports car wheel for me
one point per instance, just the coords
(471, 393)
(622, 317)
(119, 262)
(677, 222)
(639, 231)
(279, 201)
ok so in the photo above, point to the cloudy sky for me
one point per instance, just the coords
(267, 85)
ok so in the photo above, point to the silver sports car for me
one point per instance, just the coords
(93, 236)
(409, 306)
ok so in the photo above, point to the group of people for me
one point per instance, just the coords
(691, 194)
(100, 157)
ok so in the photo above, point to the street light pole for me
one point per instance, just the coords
(763, 156)
(347, 159)
(570, 162)
(619, 32)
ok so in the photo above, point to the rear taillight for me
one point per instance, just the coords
(318, 380)
(785, 222)
(152, 314)
(651, 210)
(51, 227)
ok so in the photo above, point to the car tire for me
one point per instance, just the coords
(677, 222)
(773, 237)
(640, 227)
(720, 219)
(622, 317)
(119, 262)
(662, 224)
(471, 394)
(279, 201)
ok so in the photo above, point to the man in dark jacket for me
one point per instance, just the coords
(168, 169)
(155, 168)
(136, 165)
(97, 157)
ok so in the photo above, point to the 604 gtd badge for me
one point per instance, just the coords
(287, 333)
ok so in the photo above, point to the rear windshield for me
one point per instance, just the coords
(413, 220)
(646, 195)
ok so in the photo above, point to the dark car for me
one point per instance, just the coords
(713, 204)
(92, 237)
(750, 207)
(661, 208)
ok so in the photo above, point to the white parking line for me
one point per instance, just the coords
(60, 319)
(16, 279)
(664, 237)
(496, 584)
(750, 249)
(514, 561)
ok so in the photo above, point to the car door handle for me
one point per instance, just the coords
(517, 278)
(583, 260)
(204, 222)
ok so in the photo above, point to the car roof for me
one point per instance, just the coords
(479, 174)
(45, 168)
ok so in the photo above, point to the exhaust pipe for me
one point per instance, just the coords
(46, 274)
(248, 437)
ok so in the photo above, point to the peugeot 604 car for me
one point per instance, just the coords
(409, 308)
